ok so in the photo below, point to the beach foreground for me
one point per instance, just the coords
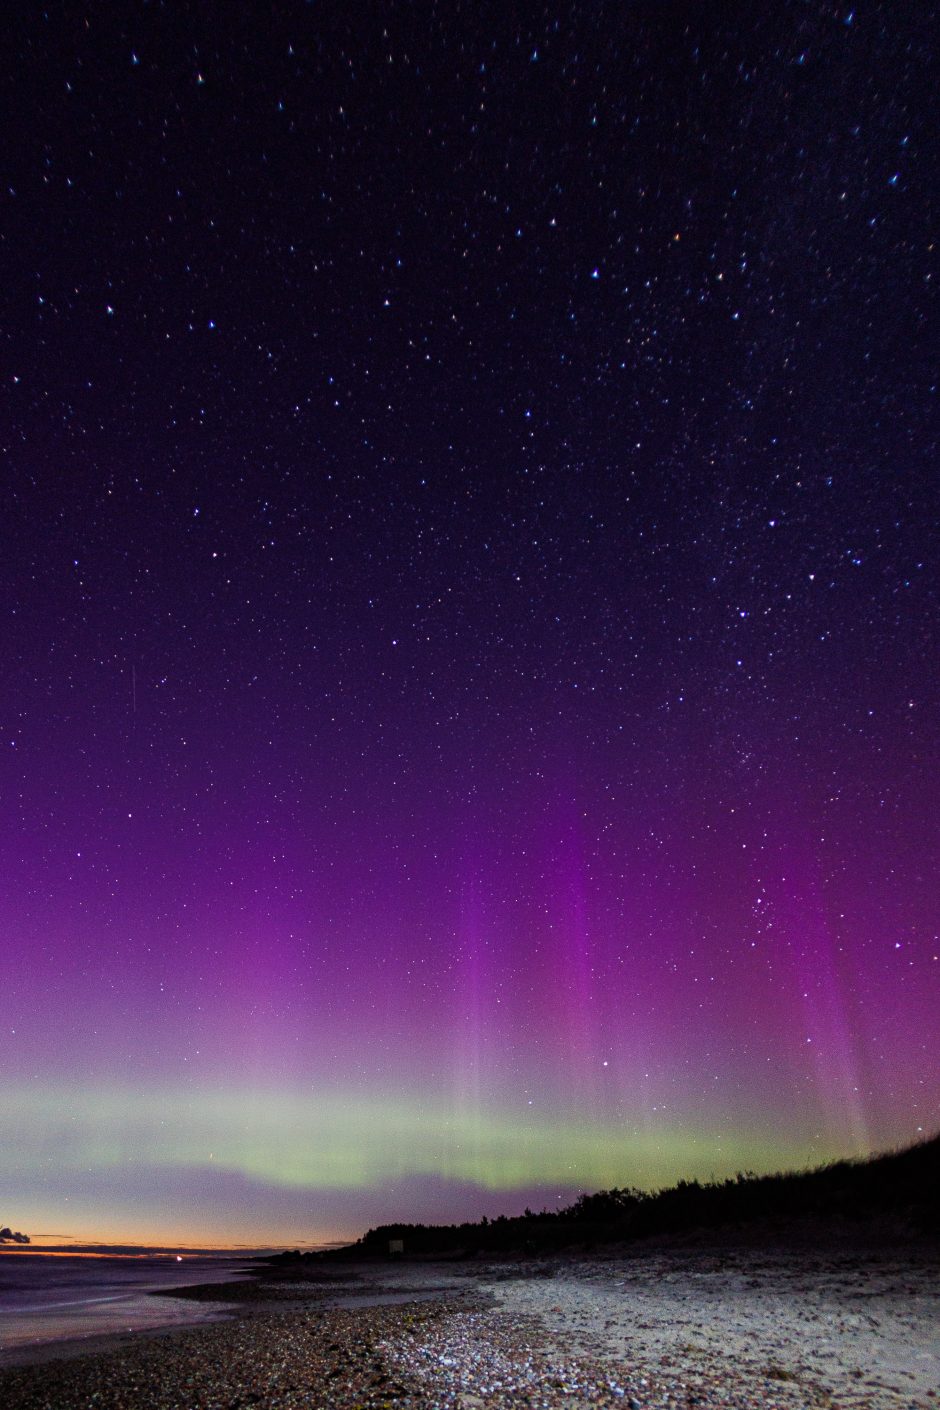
(724, 1328)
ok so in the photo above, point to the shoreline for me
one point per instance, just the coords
(42, 1353)
(742, 1329)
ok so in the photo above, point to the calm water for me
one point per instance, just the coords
(45, 1299)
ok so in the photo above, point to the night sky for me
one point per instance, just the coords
(468, 715)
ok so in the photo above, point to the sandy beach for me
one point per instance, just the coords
(715, 1328)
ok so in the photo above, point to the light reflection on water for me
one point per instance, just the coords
(49, 1300)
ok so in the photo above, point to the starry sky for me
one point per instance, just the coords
(468, 717)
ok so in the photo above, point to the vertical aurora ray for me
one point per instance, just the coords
(819, 963)
(470, 1028)
(573, 965)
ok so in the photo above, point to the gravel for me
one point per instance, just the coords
(274, 1359)
(728, 1333)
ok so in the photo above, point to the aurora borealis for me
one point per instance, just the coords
(468, 698)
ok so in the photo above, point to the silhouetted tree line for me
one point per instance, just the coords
(903, 1186)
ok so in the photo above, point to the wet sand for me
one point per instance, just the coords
(738, 1329)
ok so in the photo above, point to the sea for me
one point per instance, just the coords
(46, 1300)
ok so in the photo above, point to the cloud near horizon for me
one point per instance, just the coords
(7, 1236)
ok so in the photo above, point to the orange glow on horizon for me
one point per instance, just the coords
(181, 1252)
